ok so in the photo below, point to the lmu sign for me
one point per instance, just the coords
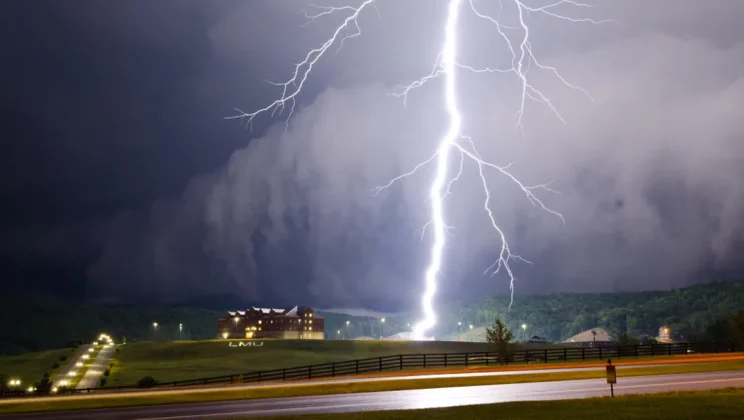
(244, 344)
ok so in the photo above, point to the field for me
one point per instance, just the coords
(178, 360)
(30, 367)
(717, 404)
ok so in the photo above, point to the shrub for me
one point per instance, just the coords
(147, 382)
(63, 358)
(106, 373)
(103, 382)
(55, 365)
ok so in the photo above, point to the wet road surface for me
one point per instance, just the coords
(406, 400)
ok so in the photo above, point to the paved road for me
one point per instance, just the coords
(406, 400)
(62, 375)
(92, 376)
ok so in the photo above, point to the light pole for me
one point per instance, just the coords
(458, 330)
(154, 330)
(471, 330)
(347, 329)
(338, 334)
(382, 334)
(524, 332)
(180, 331)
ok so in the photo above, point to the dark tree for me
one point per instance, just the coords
(736, 328)
(501, 337)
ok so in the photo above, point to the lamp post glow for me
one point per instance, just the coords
(347, 330)
(524, 332)
(459, 324)
(180, 331)
(382, 335)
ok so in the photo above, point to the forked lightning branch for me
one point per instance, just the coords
(454, 146)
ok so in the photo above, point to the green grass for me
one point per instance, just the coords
(196, 395)
(716, 404)
(179, 360)
(30, 367)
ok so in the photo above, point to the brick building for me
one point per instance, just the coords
(299, 322)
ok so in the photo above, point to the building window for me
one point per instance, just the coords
(259, 322)
(259, 328)
(311, 328)
(311, 321)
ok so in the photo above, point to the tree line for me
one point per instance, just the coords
(693, 313)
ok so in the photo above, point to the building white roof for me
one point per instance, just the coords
(292, 312)
(587, 336)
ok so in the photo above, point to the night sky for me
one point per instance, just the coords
(123, 182)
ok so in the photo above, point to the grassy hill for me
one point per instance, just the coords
(30, 367)
(177, 360)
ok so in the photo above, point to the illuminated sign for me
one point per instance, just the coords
(246, 344)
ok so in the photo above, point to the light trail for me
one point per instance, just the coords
(453, 140)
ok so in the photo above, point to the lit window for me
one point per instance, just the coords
(259, 328)
(311, 321)
(259, 321)
(311, 328)
(311, 315)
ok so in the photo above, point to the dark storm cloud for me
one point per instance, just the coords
(649, 173)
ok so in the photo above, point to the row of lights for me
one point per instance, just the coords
(15, 382)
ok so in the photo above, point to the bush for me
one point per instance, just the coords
(103, 382)
(106, 373)
(46, 375)
(63, 358)
(147, 382)
(55, 365)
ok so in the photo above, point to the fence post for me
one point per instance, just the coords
(380, 362)
(466, 359)
(565, 354)
(669, 349)
(259, 376)
(424, 360)
(445, 359)
(487, 358)
(653, 350)
(284, 374)
(333, 368)
(600, 352)
(401, 361)
(636, 350)
(357, 366)
(546, 355)
(583, 353)
(526, 356)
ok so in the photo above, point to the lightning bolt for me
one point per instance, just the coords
(453, 141)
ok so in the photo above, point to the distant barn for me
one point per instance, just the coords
(595, 337)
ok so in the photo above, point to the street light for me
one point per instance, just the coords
(180, 331)
(383, 328)
(471, 335)
(458, 330)
(347, 330)
(524, 332)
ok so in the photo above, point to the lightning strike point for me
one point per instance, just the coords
(453, 140)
